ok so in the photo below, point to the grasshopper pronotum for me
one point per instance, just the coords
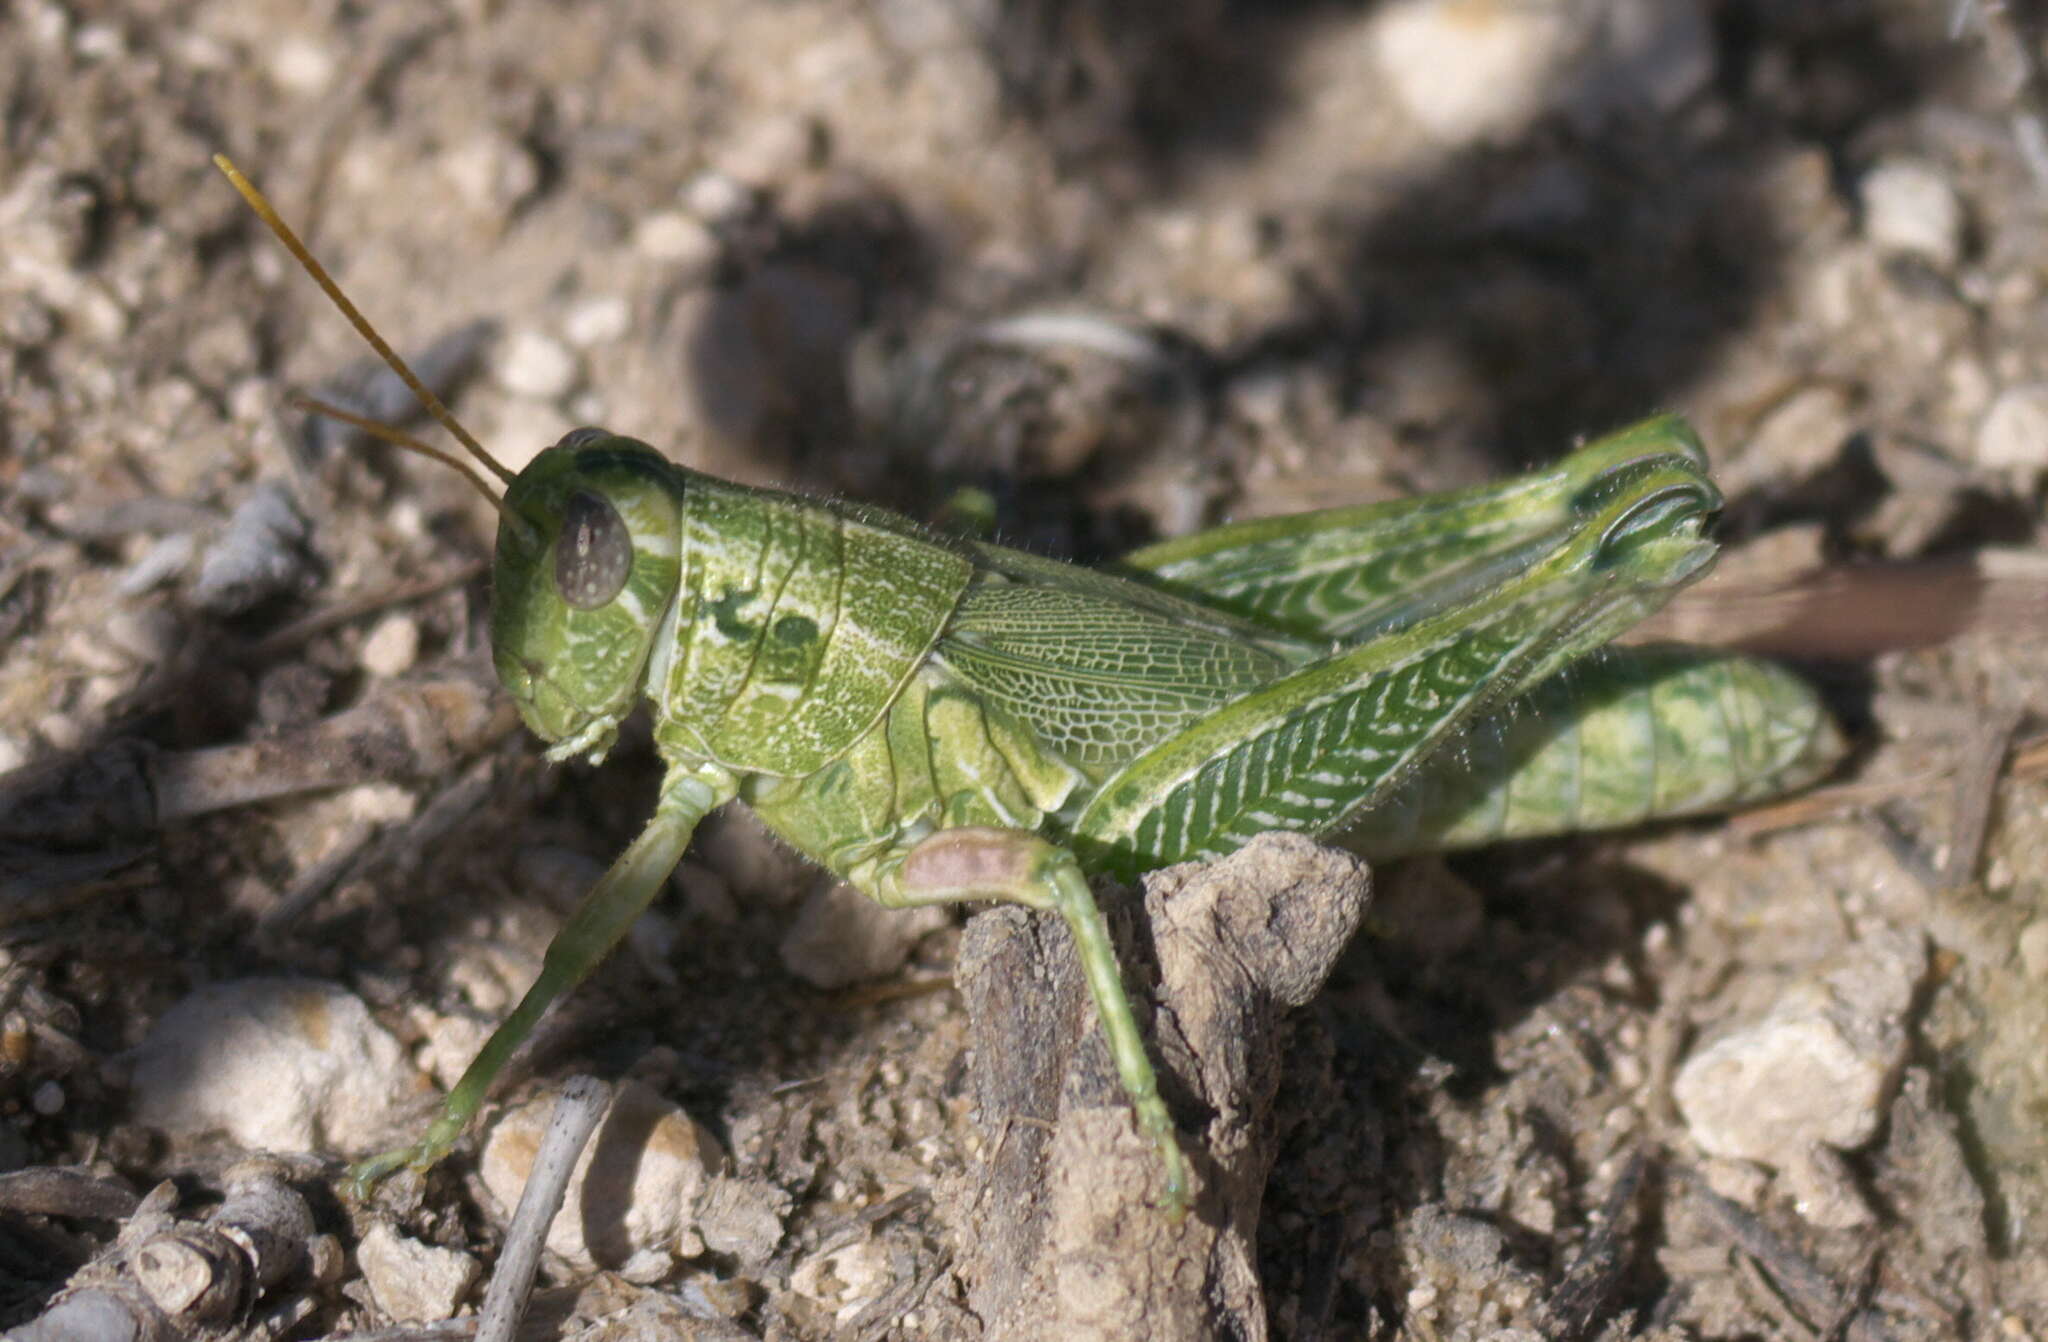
(938, 720)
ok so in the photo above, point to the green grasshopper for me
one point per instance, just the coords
(939, 720)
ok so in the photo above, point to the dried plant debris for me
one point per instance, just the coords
(230, 1273)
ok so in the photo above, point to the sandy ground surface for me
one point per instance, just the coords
(1381, 248)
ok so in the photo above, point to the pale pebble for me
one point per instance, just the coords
(301, 66)
(277, 1064)
(2014, 433)
(392, 647)
(533, 364)
(597, 321)
(411, 1281)
(635, 1188)
(1910, 207)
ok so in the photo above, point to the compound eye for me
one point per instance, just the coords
(594, 554)
(583, 437)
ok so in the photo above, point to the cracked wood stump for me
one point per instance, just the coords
(1064, 1240)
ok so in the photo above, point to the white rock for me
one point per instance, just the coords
(769, 151)
(378, 804)
(677, 238)
(491, 172)
(635, 1189)
(1472, 69)
(149, 635)
(278, 1064)
(1816, 1070)
(597, 321)
(1909, 206)
(2033, 948)
(165, 559)
(100, 42)
(718, 198)
(845, 1280)
(841, 936)
(301, 66)
(533, 364)
(393, 645)
(1798, 437)
(2014, 434)
(411, 1281)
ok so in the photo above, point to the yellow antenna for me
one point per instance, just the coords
(369, 333)
(399, 438)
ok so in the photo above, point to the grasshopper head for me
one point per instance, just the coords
(586, 567)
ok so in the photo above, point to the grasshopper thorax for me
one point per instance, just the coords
(586, 570)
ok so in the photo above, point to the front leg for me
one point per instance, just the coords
(1018, 867)
(604, 916)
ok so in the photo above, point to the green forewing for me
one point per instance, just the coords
(1096, 680)
(1350, 573)
(799, 624)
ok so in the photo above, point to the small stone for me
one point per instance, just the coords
(635, 1189)
(1473, 69)
(378, 804)
(48, 1099)
(1798, 438)
(392, 647)
(250, 401)
(845, 1280)
(1910, 207)
(597, 321)
(532, 364)
(771, 150)
(100, 42)
(2033, 947)
(743, 1218)
(278, 1064)
(718, 198)
(413, 1282)
(491, 172)
(448, 1043)
(220, 351)
(1824, 1191)
(26, 323)
(301, 66)
(2014, 434)
(1737, 1180)
(166, 558)
(1814, 1072)
(147, 636)
(677, 238)
(61, 731)
(47, 25)
(842, 937)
